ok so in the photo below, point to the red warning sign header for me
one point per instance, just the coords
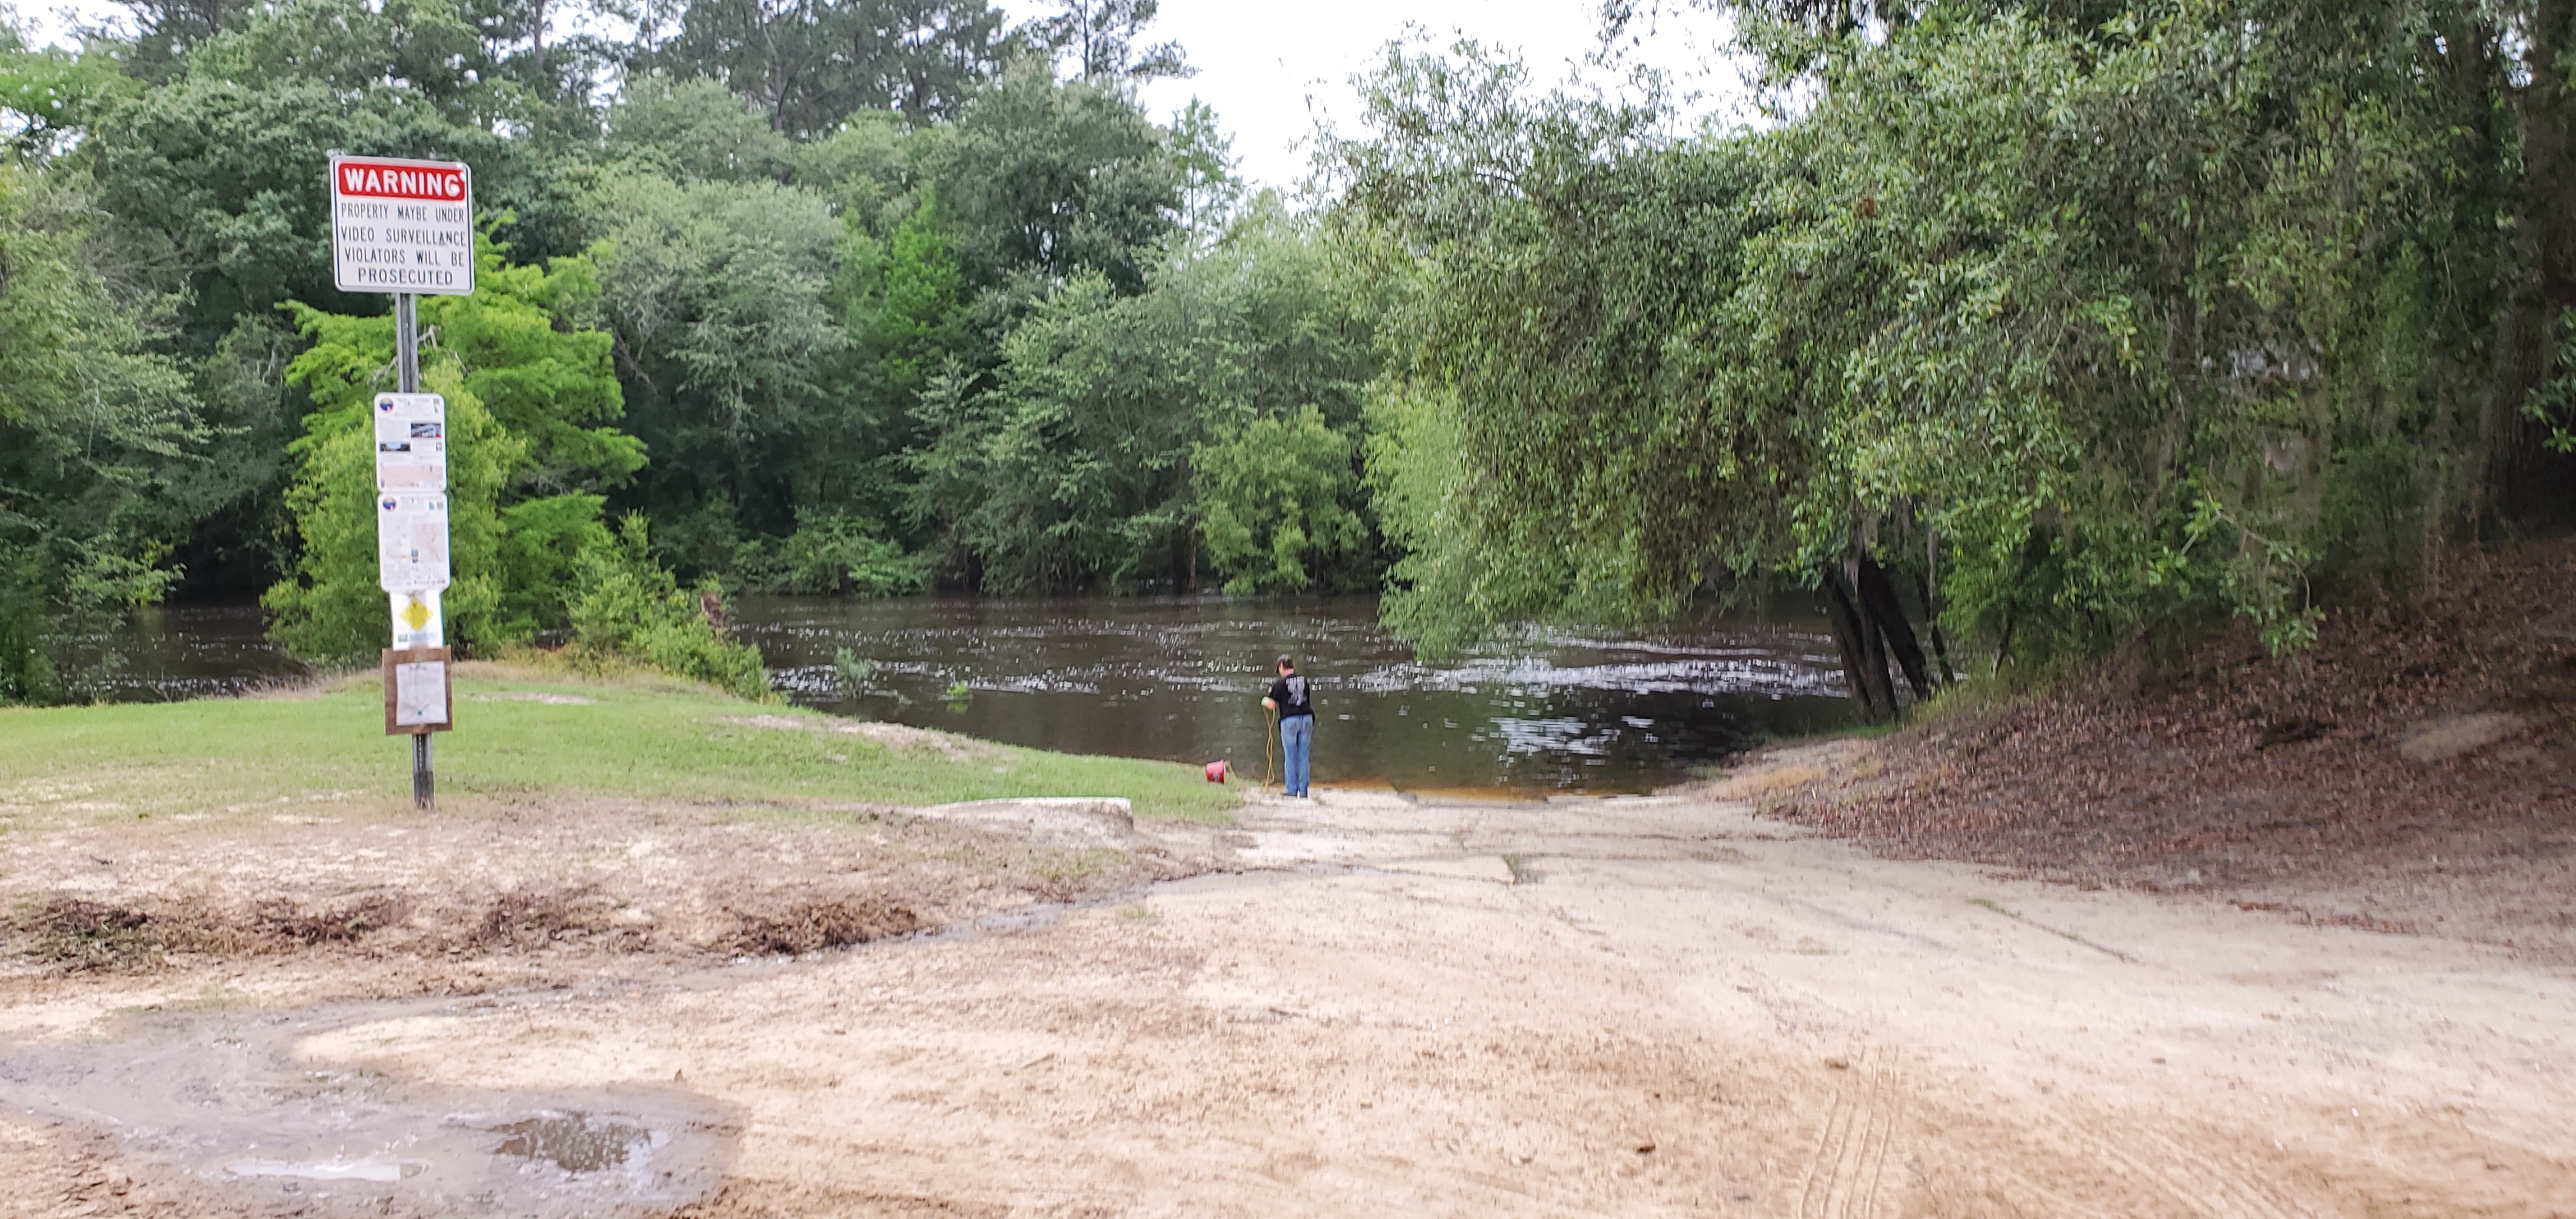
(399, 180)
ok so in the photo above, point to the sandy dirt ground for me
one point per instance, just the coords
(1638, 1006)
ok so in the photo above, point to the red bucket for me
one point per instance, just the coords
(1216, 772)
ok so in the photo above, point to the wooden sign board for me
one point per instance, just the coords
(420, 693)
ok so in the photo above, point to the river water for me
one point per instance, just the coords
(1181, 679)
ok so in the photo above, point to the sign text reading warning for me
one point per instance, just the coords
(402, 226)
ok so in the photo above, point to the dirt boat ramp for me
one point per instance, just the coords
(1376, 1005)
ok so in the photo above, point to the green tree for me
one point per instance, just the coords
(531, 448)
(1274, 498)
(915, 321)
(169, 29)
(693, 129)
(1211, 191)
(807, 64)
(2120, 323)
(1073, 468)
(1547, 443)
(1101, 40)
(91, 415)
(47, 95)
(720, 297)
(1054, 178)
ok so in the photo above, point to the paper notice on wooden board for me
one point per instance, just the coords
(420, 694)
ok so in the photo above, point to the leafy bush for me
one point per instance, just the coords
(852, 672)
(631, 609)
(830, 552)
(1272, 500)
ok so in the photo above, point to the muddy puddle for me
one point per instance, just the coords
(224, 1097)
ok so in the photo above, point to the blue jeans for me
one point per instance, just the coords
(1297, 740)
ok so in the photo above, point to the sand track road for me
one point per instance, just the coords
(1636, 1006)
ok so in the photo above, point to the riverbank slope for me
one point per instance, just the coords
(2415, 773)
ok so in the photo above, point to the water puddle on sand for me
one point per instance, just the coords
(573, 1141)
(223, 1098)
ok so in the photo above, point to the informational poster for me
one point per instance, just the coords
(402, 226)
(411, 541)
(420, 694)
(411, 442)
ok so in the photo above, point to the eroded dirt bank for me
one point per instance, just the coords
(2415, 772)
(1637, 1007)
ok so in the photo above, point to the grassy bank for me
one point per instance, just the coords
(528, 733)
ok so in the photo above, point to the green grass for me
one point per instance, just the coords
(640, 737)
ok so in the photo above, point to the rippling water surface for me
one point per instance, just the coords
(1182, 679)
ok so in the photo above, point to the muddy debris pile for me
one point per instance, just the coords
(557, 883)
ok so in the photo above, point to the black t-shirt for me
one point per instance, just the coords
(1293, 697)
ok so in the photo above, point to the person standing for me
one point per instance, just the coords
(1294, 700)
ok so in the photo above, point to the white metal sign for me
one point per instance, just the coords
(411, 541)
(402, 226)
(411, 442)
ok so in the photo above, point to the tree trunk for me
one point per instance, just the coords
(1927, 583)
(1852, 637)
(1878, 597)
(2520, 475)
(2549, 152)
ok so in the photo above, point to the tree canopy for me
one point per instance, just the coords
(2075, 328)
(2045, 329)
(849, 295)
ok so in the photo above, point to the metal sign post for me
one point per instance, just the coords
(424, 773)
(407, 227)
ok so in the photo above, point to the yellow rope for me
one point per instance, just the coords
(1270, 753)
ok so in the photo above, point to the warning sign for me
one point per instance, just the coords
(411, 442)
(402, 226)
(411, 541)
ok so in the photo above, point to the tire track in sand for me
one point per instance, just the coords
(1844, 1173)
(2199, 1184)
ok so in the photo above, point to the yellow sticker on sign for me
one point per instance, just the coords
(415, 615)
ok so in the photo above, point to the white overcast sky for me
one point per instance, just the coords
(1273, 70)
